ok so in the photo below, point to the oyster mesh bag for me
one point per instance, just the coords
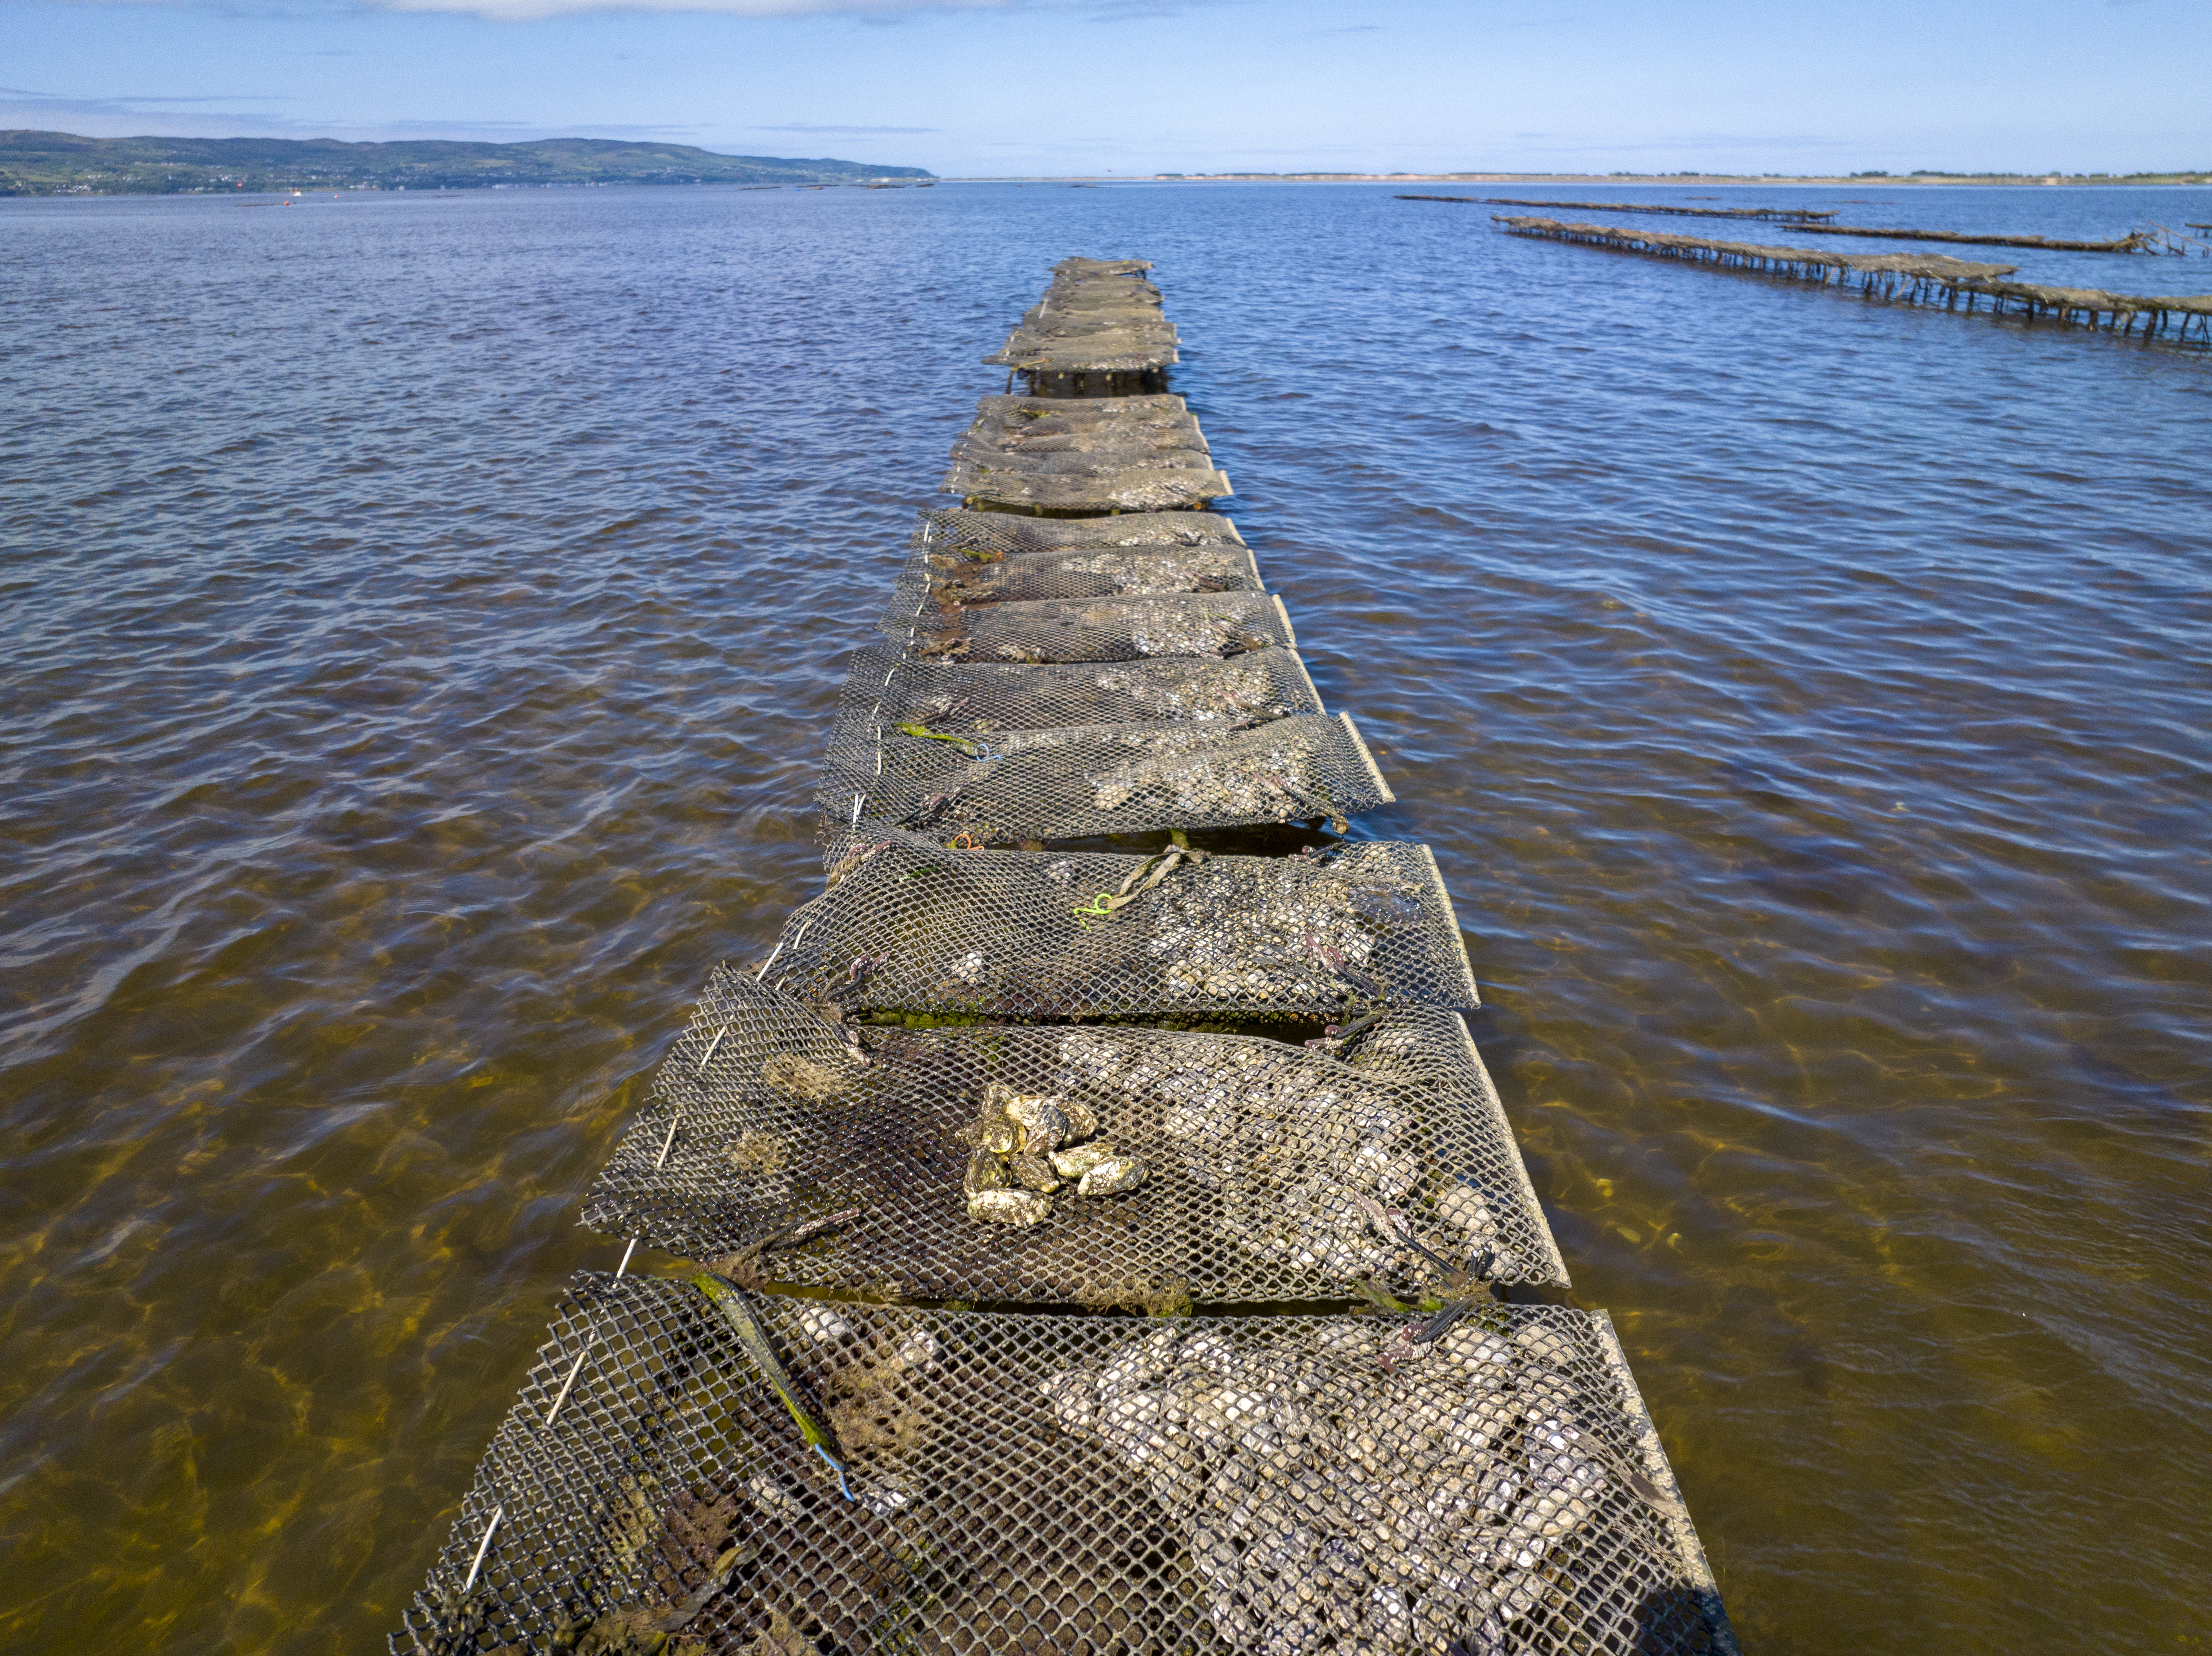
(908, 926)
(1073, 483)
(1075, 782)
(1044, 424)
(1075, 264)
(1112, 323)
(1095, 1165)
(1213, 624)
(1126, 453)
(885, 687)
(1064, 345)
(945, 582)
(1070, 1483)
(1004, 534)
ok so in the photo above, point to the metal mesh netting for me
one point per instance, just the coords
(948, 581)
(1096, 1165)
(1099, 779)
(1000, 534)
(1097, 629)
(886, 688)
(908, 926)
(1080, 1485)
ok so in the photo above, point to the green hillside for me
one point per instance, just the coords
(61, 163)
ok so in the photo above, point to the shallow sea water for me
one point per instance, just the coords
(424, 617)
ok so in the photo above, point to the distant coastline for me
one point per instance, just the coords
(35, 163)
(64, 164)
(2202, 175)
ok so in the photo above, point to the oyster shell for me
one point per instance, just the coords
(1112, 1177)
(918, 1351)
(1464, 1207)
(993, 1130)
(1082, 1120)
(1019, 1208)
(1044, 1126)
(1141, 1363)
(986, 1172)
(1074, 1398)
(1074, 1163)
(1035, 1172)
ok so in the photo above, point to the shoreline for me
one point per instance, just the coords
(1620, 180)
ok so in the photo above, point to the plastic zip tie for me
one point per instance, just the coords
(483, 1547)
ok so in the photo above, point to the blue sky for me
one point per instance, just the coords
(1143, 86)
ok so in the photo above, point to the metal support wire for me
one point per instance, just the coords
(483, 1547)
(577, 1367)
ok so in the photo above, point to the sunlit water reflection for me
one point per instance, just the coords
(424, 619)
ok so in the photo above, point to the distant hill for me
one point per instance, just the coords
(61, 163)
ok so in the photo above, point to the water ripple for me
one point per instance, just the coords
(426, 613)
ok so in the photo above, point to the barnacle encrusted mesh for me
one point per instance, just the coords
(1072, 1484)
(1103, 454)
(1003, 534)
(1216, 624)
(888, 688)
(1067, 783)
(932, 582)
(909, 926)
(1263, 1171)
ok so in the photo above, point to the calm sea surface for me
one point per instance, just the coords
(423, 618)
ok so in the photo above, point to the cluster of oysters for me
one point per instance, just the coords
(1273, 929)
(1026, 1146)
(1320, 1166)
(1352, 1488)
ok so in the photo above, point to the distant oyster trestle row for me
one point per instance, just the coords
(1009, 1181)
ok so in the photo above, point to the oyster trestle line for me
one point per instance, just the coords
(1101, 1009)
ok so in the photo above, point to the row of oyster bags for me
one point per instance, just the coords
(1092, 318)
(991, 1481)
(1071, 782)
(908, 925)
(967, 1159)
